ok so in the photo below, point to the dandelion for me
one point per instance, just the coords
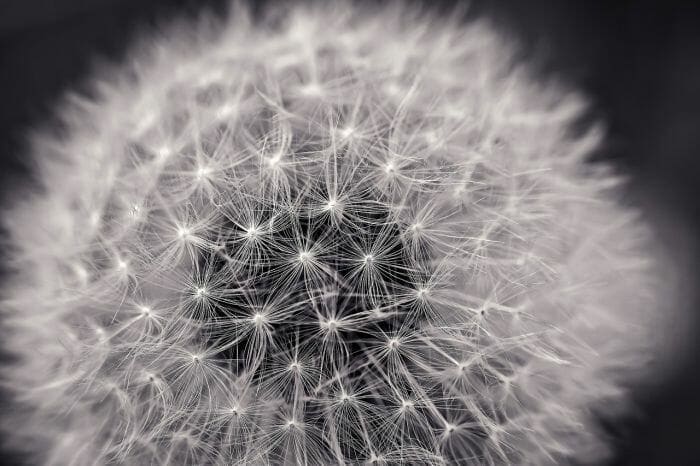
(345, 236)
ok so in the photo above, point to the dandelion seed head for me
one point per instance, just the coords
(308, 239)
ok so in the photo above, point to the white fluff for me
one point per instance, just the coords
(335, 236)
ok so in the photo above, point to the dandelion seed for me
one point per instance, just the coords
(203, 172)
(134, 212)
(312, 89)
(331, 204)
(390, 168)
(291, 424)
(273, 162)
(393, 344)
(346, 132)
(225, 111)
(331, 325)
(94, 219)
(392, 88)
(305, 257)
(183, 233)
(431, 138)
(163, 153)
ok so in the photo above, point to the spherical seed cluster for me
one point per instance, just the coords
(340, 238)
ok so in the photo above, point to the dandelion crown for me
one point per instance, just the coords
(341, 238)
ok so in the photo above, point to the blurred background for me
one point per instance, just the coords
(638, 61)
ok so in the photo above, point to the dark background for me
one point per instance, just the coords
(638, 61)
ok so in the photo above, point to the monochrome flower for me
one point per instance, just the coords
(329, 236)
